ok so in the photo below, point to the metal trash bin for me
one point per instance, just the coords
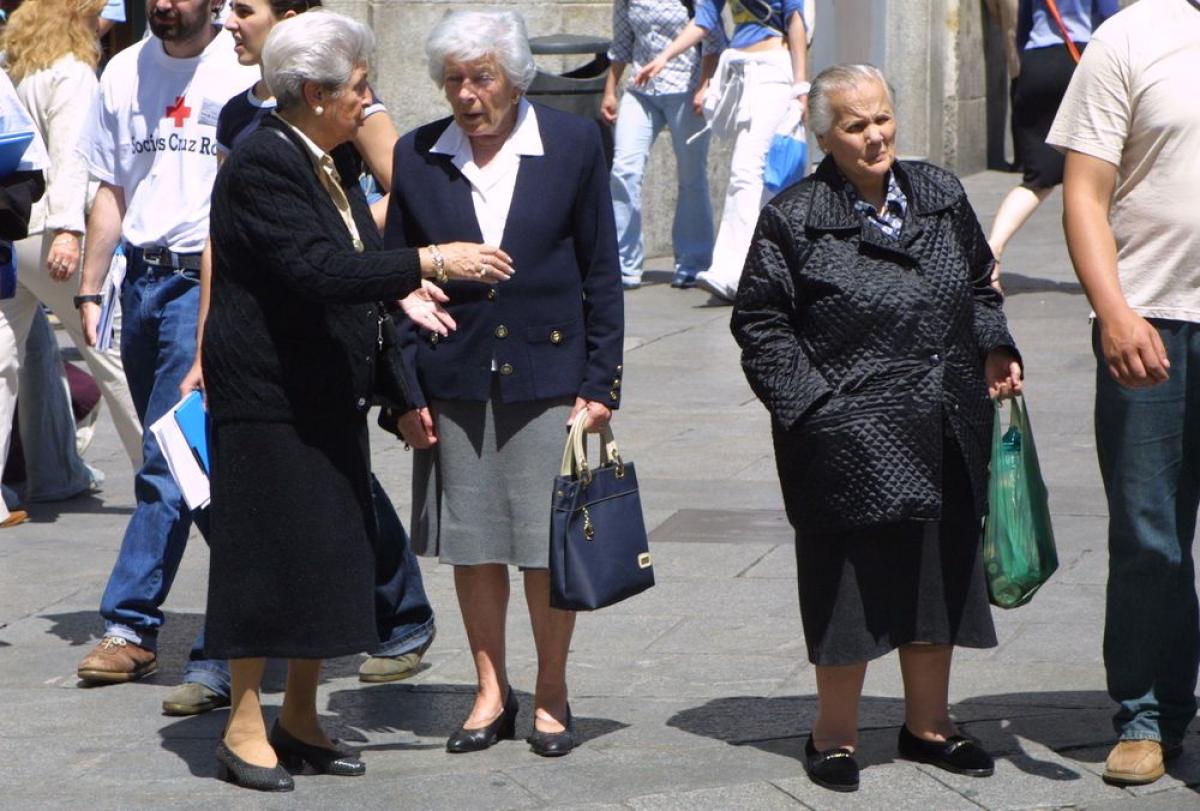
(580, 90)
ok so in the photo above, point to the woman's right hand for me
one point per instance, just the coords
(472, 262)
(608, 108)
(416, 427)
(650, 70)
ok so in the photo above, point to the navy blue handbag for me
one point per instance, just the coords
(599, 554)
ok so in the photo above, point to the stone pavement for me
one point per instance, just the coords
(696, 694)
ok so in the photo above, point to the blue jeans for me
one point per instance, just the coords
(158, 343)
(403, 615)
(640, 118)
(1148, 444)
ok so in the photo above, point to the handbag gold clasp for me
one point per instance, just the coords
(589, 531)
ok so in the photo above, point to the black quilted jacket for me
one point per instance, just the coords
(868, 351)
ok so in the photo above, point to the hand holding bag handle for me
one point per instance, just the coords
(574, 461)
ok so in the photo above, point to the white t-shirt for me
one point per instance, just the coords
(155, 120)
(1134, 102)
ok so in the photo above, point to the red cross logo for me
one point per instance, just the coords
(179, 111)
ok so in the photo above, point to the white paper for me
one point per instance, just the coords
(191, 478)
(111, 303)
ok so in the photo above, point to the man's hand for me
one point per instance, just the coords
(417, 428)
(1003, 375)
(1134, 351)
(89, 321)
(424, 307)
(596, 413)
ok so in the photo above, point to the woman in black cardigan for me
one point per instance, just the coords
(289, 357)
(871, 333)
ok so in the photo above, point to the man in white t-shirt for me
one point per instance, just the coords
(1130, 126)
(151, 142)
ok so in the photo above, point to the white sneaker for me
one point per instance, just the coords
(706, 281)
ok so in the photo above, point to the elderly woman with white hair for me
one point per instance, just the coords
(493, 399)
(870, 331)
(289, 357)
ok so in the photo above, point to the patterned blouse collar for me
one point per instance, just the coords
(891, 221)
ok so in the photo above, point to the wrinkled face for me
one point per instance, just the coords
(344, 109)
(250, 21)
(178, 20)
(862, 140)
(481, 96)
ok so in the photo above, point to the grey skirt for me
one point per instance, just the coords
(482, 493)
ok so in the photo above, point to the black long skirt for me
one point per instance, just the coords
(291, 531)
(867, 591)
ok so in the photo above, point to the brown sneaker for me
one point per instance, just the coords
(1136, 762)
(117, 660)
(15, 517)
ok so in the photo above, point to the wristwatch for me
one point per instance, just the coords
(94, 298)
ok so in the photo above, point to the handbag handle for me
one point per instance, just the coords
(574, 461)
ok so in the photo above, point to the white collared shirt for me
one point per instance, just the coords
(492, 185)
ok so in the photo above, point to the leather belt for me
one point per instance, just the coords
(163, 258)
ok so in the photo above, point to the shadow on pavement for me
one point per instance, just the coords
(49, 511)
(1073, 723)
(1016, 283)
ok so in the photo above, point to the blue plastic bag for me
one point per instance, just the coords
(787, 159)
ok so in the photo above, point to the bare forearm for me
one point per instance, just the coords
(708, 66)
(797, 39)
(613, 80)
(103, 236)
(1087, 191)
(689, 37)
(205, 293)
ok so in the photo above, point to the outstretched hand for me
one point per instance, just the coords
(424, 307)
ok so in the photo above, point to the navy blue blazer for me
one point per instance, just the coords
(555, 329)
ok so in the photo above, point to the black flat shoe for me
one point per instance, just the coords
(553, 744)
(834, 769)
(232, 769)
(958, 754)
(476, 740)
(341, 760)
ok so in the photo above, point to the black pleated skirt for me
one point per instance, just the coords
(867, 591)
(291, 531)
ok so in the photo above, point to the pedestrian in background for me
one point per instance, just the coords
(1050, 36)
(1129, 127)
(871, 333)
(527, 359)
(762, 72)
(642, 28)
(289, 357)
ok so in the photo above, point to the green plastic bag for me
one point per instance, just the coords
(1018, 540)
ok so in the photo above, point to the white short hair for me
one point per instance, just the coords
(465, 36)
(317, 46)
(838, 79)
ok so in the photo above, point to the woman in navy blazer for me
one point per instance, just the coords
(525, 361)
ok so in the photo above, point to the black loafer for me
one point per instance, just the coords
(834, 769)
(341, 760)
(958, 754)
(476, 740)
(554, 744)
(232, 769)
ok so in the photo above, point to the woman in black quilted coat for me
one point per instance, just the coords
(869, 330)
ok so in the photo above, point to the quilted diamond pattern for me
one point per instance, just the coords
(867, 351)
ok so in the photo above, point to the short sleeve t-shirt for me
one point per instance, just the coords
(155, 120)
(1133, 103)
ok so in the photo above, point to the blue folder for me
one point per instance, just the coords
(12, 149)
(193, 422)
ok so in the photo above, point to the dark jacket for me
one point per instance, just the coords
(556, 328)
(292, 330)
(868, 352)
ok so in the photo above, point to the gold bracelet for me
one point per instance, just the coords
(439, 265)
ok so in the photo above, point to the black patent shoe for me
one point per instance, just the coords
(553, 744)
(476, 740)
(341, 760)
(232, 769)
(958, 754)
(834, 769)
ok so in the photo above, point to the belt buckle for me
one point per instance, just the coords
(155, 255)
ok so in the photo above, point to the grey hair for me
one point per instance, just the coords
(465, 36)
(317, 46)
(838, 79)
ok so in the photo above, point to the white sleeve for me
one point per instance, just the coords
(98, 139)
(1096, 112)
(71, 90)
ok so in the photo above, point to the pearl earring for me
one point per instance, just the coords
(319, 110)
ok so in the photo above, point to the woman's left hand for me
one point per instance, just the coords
(649, 71)
(63, 259)
(1005, 379)
(596, 413)
(424, 307)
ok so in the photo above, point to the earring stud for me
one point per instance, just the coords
(319, 110)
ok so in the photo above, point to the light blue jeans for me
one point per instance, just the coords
(1148, 444)
(640, 118)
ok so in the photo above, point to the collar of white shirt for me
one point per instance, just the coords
(526, 139)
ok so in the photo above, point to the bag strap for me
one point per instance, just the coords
(1052, 7)
(574, 461)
